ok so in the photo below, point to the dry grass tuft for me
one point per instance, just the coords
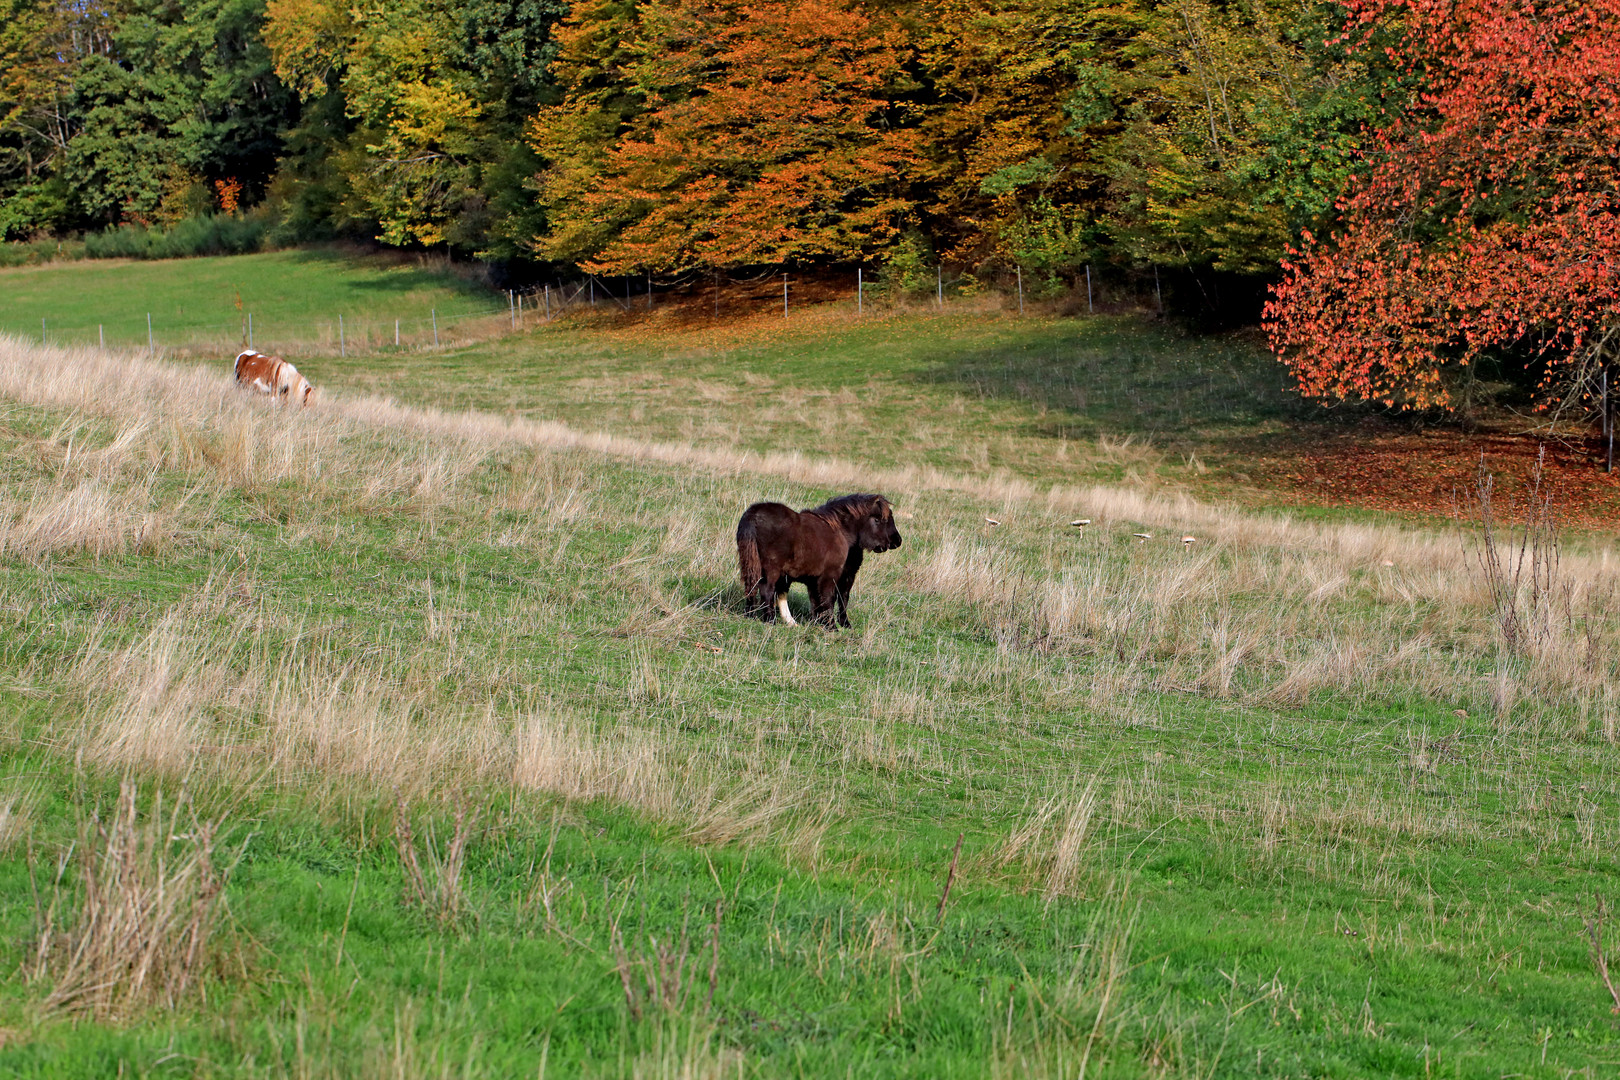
(632, 767)
(1049, 844)
(149, 902)
(1065, 869)
(657, 977)
(90, 517)
(568, 757)
(16, 817)
(682, 1051)
(437, 890)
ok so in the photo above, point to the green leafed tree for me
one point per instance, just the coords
(1192, 133)
(1231, 126)
(435, 95)
(185, 96)
(43, 43)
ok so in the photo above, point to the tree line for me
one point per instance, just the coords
(680, 136)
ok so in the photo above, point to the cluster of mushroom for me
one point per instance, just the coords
(1187, 541)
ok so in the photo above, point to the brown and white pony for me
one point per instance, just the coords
(823, 548)
(274, 376)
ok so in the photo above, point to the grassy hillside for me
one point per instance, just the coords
(202, 305)
(493, 779)
(1038, 398)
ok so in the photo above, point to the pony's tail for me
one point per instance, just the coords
(748, 564)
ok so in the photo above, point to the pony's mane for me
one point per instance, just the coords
(850, 508)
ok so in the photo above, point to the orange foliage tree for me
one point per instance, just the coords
(714, 134)
(1487, 217)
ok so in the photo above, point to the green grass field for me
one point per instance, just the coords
(1044, 399)
(202, 305)
(454, 756)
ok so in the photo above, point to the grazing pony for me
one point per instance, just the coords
(274, 376)
(823, 548)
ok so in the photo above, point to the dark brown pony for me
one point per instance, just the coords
(823, 548)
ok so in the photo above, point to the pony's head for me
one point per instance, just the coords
(295, 387)
(873, 518)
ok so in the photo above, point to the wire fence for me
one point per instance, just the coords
(865, 291)
(360, 333)
(340, 334)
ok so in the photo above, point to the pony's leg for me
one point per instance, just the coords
(782, 603)
(765, 595)
(754, 597)
(826, 599)
(845, 583)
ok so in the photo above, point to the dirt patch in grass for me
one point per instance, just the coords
(1379, 465)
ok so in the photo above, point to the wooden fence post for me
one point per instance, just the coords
(1608, 420)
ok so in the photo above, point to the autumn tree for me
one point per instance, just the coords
(1486, 219)
(1011, 180)
(715, 133)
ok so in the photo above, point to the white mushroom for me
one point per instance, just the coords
(1080, 523)
(1189, 541)
(992, 521)
(1143, 536)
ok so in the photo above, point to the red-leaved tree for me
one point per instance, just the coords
(1487, 216)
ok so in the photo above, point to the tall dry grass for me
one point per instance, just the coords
(146, 907)
(240, 708)
(1277, 624)
(269, 445)
(1049, 845)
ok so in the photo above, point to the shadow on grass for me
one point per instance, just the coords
(1087, 378)
(396, 273)
(705, 594)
